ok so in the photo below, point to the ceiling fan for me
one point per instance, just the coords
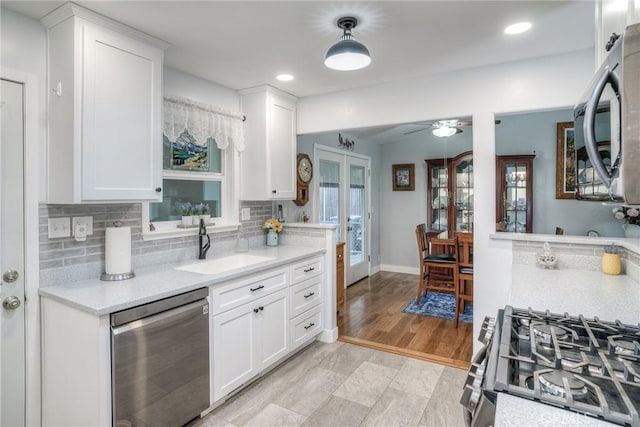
(444, 128)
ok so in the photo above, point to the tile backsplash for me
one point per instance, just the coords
(64, 259)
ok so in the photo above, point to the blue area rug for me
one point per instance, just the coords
(439, 304)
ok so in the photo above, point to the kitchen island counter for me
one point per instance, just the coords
(590, 293)
(99, 297)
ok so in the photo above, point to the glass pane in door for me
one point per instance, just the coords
(329, 196)
(357, 213)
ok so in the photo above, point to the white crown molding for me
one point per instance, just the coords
(69, 10)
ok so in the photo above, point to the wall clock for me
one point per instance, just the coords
(305, 173)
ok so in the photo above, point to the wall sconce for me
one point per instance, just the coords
(345, 143)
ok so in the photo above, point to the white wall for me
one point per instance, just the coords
(177, 83)
(541, 83)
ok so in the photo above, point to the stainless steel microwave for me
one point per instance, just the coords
(607, 126)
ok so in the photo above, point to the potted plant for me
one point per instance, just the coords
(273, 227)
(204, 212)
(611, 260)
(186, 211)
(631, 217)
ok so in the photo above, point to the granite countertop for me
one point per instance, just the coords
(100, 297)
(590, 293)
(517, 411)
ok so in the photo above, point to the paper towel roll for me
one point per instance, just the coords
(117, 252)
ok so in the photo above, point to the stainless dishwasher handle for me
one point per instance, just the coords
(147, 321)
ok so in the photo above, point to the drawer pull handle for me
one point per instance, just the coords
(261, 308)
(257, 289)
(306, 270)
(255, 310)
(310, 294)
(310, 325)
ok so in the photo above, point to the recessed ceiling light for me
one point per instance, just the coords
(284, 77)
(518, 28)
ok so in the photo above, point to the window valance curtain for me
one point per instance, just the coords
(203, 121)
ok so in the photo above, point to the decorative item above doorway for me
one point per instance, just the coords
(566, 177)
(404, 177)
(345, 143)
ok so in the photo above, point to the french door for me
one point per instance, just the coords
(343, 198)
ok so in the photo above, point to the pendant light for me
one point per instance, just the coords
(347, 54)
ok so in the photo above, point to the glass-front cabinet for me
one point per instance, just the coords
(450, 201)
(514, 193)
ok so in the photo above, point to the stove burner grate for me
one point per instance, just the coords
(553, 383)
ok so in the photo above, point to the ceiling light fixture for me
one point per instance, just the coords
(347, 54)
(517, 28)
(284, 77)
(445, 131)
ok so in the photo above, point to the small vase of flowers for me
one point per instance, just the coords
(631, 218)
(204, 212)
(186, 212)
(273, 227)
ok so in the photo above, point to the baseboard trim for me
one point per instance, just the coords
(375, 269)
(328, 335)
(399, 269)
(459, 364)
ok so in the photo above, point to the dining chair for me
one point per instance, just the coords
(423, 252)
(441, 266)
(465, 270)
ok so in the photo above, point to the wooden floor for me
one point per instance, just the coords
(372, 316)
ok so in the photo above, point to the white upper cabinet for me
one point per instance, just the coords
(268, 162)
(613, 16)
(105, 109)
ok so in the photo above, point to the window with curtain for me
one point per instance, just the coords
(198, 144)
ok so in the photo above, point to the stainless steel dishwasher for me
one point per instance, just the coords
(160, 361)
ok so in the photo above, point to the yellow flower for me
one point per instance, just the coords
(272, 224)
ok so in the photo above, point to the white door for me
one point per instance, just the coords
(357, 237)
(343, 198)
(12, 312)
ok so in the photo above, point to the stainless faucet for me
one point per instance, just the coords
(202, 254)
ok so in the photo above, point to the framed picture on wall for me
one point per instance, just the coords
(404, 177)
(566, 176)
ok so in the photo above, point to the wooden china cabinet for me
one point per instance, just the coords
(514, 193)
(450, 201)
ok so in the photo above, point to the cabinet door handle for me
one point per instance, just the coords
(158, 189)
(274, 191)
(255, 310)
(261, 308)
(310, 325)
(257, 289)
(310, 294)
(306, 270)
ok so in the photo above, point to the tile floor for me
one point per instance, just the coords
(342, 384)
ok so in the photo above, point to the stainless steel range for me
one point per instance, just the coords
(584, 365)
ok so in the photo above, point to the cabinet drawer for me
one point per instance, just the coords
(307, 269)
(305, 295)
(305, 327)
(232, 295)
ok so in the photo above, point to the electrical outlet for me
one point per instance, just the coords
(245, 214)
(87, 221)
(59, 227)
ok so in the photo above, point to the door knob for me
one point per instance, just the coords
(10, 276)
(11, 303)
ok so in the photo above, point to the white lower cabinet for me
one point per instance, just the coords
(247, 340)
(258, 320)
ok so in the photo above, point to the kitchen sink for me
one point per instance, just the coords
(220, 265)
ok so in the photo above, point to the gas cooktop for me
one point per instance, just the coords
(584, 365)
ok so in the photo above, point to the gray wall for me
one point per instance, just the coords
(519, 134)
